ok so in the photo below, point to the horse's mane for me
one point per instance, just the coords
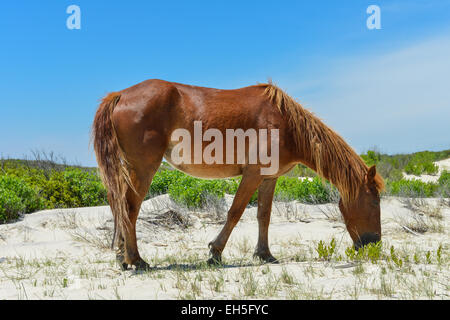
(331, 157)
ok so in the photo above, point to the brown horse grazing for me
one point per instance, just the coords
(132, 132)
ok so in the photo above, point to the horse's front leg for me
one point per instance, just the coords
(249, 184)
(265, 197)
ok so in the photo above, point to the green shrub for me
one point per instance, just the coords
(393, 175)
(444, 179)
(370, 252)
(33, 176)
(412, 188)
(192, 192)
(395, 258)
(417, 169)
(422, 163)
(56, 192)
(371, 158)
(10, 205)
(162, 180)
(27, 195)
(444, 184)
(326, 251)
(417, 163)
(73, 188)
(27, 188)
(86, 186)
(306, 191)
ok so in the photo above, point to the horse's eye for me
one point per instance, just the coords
(375, 202)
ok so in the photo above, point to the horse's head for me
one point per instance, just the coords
(362, 215)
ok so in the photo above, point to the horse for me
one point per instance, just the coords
(133, 131)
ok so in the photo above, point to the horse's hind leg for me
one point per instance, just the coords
(265, 197)
(247, 188)
(141, 180)
(120, 253)
(118, 238)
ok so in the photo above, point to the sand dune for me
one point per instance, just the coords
(64, 254)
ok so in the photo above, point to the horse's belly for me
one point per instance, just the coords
(207, 171)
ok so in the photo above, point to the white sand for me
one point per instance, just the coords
(44, 256)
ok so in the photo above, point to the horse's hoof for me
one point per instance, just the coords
(266, 258)
(271, 259)
(216, 255)
(215, 261)
(121, 261)
(141, 265)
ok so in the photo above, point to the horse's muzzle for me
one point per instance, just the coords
(366, 238)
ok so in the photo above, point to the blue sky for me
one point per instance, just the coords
(387, 88)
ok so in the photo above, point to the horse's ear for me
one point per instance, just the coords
(371, 173)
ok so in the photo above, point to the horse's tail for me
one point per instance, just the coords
(112, 163)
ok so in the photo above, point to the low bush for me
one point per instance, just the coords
(389, 166)
(10, 205)
(17, 197)
(444, 184)
(73, 188)
(27, 188)
(192, 192)
(412, 188)
(418, 168)
(28, 195)
(325, 251)
(306, 191)
(162, 180)
(371, 158)
(370, 252)
(444, 179)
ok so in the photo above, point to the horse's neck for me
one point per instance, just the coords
(324, 170)
(306, 158)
